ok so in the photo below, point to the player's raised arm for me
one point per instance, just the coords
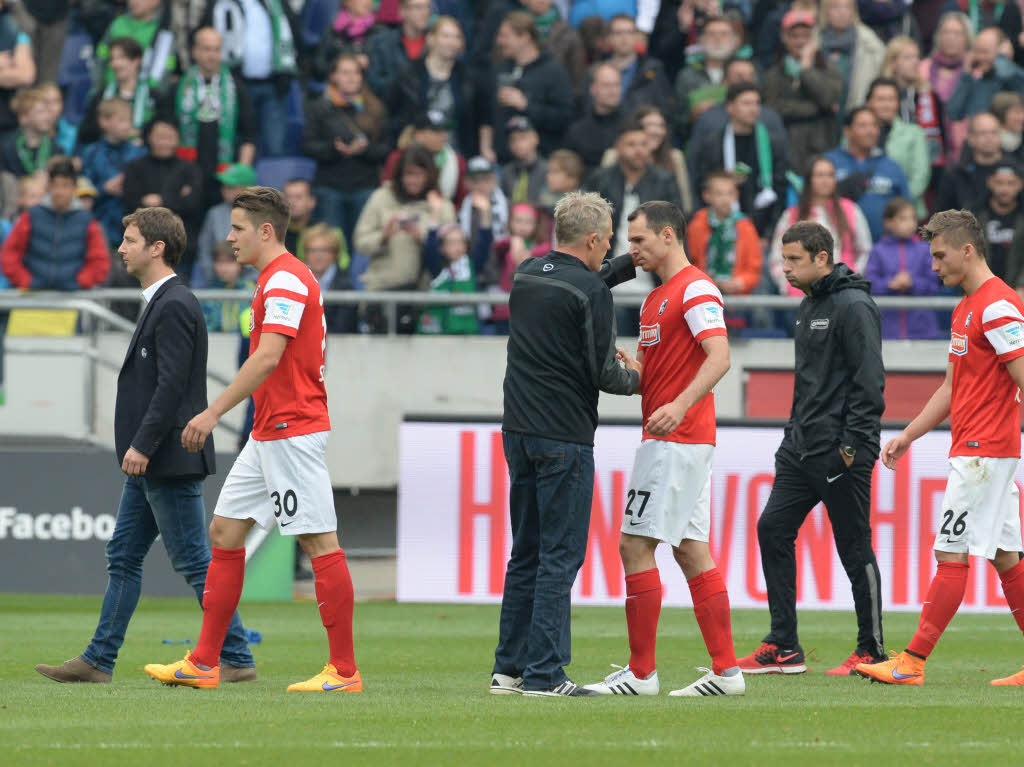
(932, 414)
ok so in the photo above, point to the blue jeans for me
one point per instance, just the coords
(173, 509)
(271, 110)
(552, 484)
(338, 208)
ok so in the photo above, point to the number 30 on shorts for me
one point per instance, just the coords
(288, 503)
(959, 525)
(644, 496)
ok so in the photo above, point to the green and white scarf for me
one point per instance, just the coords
(217, 102)
(284, 46)
(141, 108)
(33, 159)
(722, 245)
(763, 147)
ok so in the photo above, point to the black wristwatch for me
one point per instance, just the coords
(849, 451)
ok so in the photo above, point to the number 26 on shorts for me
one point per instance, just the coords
(953, 526)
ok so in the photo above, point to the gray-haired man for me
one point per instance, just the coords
(561, 353)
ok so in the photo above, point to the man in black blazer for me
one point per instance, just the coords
(161, 386)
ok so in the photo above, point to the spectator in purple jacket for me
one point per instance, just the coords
(901, 265)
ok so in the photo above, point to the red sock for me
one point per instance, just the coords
(945, 594)
(335, 597)
(223, 589)
(643, 608)
(711, 608)
(1013, 590)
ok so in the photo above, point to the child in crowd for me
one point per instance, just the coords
(64, 133)
(901, 264)
(103, 163)
(225, 316)
(523, 178)
(30, 147)
(565, 174)
(723, 242)
(457, 275)
(525, 240)
(481, 181)
(85, 195)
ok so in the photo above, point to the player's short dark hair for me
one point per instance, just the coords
(812, 237)
(738, 89)
(265, 205)
(882, 82)
(62, 166)
(894, 207)
(129, 46)
(958, 228)
(852, 115)
(160, 225)
(660, 214)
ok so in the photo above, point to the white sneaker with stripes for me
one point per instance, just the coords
(625, 682)
(503, 684)
(567, 689)
(713, 684)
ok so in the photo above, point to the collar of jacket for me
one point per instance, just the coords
(840, 278)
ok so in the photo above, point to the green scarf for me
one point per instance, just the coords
(202, 103)
(722, 245)
(763, 147)
(791, 66)
(284, 46)
(455, 277)
(545, 21)
(141, 108)
(974, 11)
(33, 160)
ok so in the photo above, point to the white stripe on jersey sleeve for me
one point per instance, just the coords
(283, 280)
(1006, 338)
(283, 311)
(1000, 309)
(706, 315)
(701, 288)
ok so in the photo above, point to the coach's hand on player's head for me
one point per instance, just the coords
(197, 430)
(894, 449)
(666, 419)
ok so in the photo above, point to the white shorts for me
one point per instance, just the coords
(283, 482)
(981, 508)
(669, 494)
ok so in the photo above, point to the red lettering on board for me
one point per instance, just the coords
(815, 541)
(899, 518)
(604, 537)
(753, 551)
(493, 509)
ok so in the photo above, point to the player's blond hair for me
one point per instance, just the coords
(958, 228)
(578, 214)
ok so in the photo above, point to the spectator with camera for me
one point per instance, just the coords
(396, 219)
(347, 135)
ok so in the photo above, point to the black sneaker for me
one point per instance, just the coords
(568, 689)
(771, 659)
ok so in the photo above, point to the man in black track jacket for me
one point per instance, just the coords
(829, 449)
(561, 354)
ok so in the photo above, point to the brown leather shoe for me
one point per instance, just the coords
(74, 670)
(236, 673)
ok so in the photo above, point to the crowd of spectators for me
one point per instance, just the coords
(425, 142)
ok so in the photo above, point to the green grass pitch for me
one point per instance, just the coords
(426, 671)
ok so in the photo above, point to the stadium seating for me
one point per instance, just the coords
(277, 171)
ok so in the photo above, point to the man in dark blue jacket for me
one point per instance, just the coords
(161, 386)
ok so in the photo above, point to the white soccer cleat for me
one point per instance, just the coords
(503, 684)
(625, 682)
(713, 684)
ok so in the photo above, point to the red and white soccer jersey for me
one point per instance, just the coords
(988, 332)
(675, 318)
(293, 400)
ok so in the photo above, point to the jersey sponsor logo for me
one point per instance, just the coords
(281, 310)
(1014, 333)
(650, 334)
(713, 315)
(664, 304)
(958, 344)
(820, 324)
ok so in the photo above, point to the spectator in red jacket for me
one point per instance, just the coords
(52, 246)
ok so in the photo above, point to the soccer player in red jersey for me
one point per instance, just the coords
(683, 353)
(280, 477)
(981, 395)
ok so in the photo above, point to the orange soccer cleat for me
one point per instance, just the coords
(329, 680)
(185, 673)
(1010, 681)
(903, 669)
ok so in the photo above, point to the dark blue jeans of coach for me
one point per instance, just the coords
(552, 485)
(173, 509)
